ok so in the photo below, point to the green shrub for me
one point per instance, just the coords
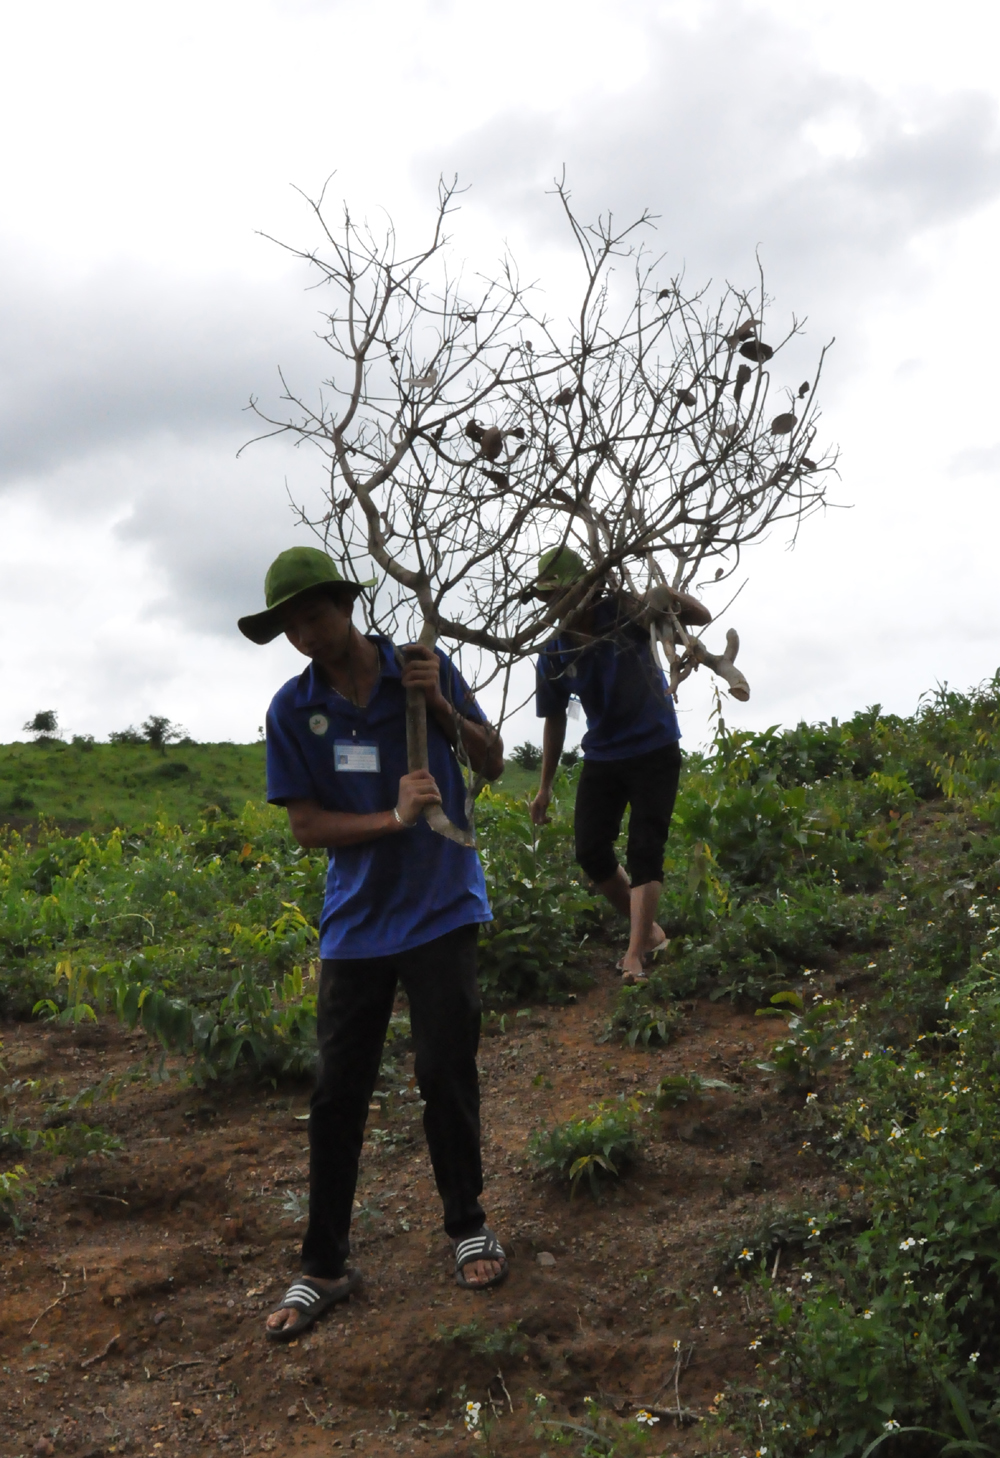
(599, 1146)
(814, 1037)
(541, 912)
(906, 1313)
(493, 1343)
(14, 1187)
(72, 1140)
(640, 1015)
(675, 1089)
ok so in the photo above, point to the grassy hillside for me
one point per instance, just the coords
(98, 786)
(102, 785)
(842, 879)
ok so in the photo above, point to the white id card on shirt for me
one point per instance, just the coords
(355, 758)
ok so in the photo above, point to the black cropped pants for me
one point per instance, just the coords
(648, 784)
(355, 1004)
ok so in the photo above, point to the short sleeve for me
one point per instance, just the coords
(288, 774)
(551, 687)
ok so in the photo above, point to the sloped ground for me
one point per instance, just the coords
(131, 1310)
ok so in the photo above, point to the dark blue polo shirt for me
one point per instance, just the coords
(398, 891)
(622, 689)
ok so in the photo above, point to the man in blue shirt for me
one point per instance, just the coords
(631, 750)
(403, 904)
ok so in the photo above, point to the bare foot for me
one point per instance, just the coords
(480, 1273)
(288, 1315)
(631, 969)
(657, 939)
(632, 966)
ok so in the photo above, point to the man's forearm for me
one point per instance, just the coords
(315, 828)
(482, 742)
(553, 739)
(687, 609)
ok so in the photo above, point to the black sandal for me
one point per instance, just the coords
(483, 1246)
(311, 1300)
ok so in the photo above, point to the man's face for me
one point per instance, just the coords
(320, 626)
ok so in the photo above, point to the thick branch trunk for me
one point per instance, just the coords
(668, 629)
(417, 756)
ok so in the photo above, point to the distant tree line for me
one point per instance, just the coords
(529, 756)
(157, 731)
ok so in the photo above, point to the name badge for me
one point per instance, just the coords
(355, 758)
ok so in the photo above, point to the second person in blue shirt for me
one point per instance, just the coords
(631, 750)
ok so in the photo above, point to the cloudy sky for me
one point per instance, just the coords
(148, 147)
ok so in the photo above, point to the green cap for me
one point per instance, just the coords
(288, 576)
(558, 567)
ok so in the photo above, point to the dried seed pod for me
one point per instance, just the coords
(756, 350)
(803, 389)
(499, 477)
(783, 424)
(491, 443)
(468, 318)
(742, 379)
(565, 397)
(729, 430)
(664, 294)
(719, 571)
(807, 464)
(742, 332)
(518, 432)
(686, 397)
(474, 431)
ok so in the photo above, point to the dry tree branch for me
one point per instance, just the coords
(464, 430)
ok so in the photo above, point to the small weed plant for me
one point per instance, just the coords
(643, 1016)
(675, 1089)
(814, 1038)
(492, 1343)
(596, 1146)
(14, 1187)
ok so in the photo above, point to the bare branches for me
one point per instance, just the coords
(463, 431)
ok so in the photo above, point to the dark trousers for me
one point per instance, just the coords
(355, 1004)
(648, 783)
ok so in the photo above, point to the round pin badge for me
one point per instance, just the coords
(319, 723)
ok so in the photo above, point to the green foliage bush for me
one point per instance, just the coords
(599, 1146)
(493, 1343)
(899, 1328)
(675, 1089)
(644, 1014)
(541, 912)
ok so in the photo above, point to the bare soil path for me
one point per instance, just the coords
(131, 1310)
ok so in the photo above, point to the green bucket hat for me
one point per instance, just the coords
(558, 567)
(289, 575)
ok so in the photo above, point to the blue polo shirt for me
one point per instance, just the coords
(395, 892)
(621, 688)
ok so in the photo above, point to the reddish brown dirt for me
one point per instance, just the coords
(165, 1258)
